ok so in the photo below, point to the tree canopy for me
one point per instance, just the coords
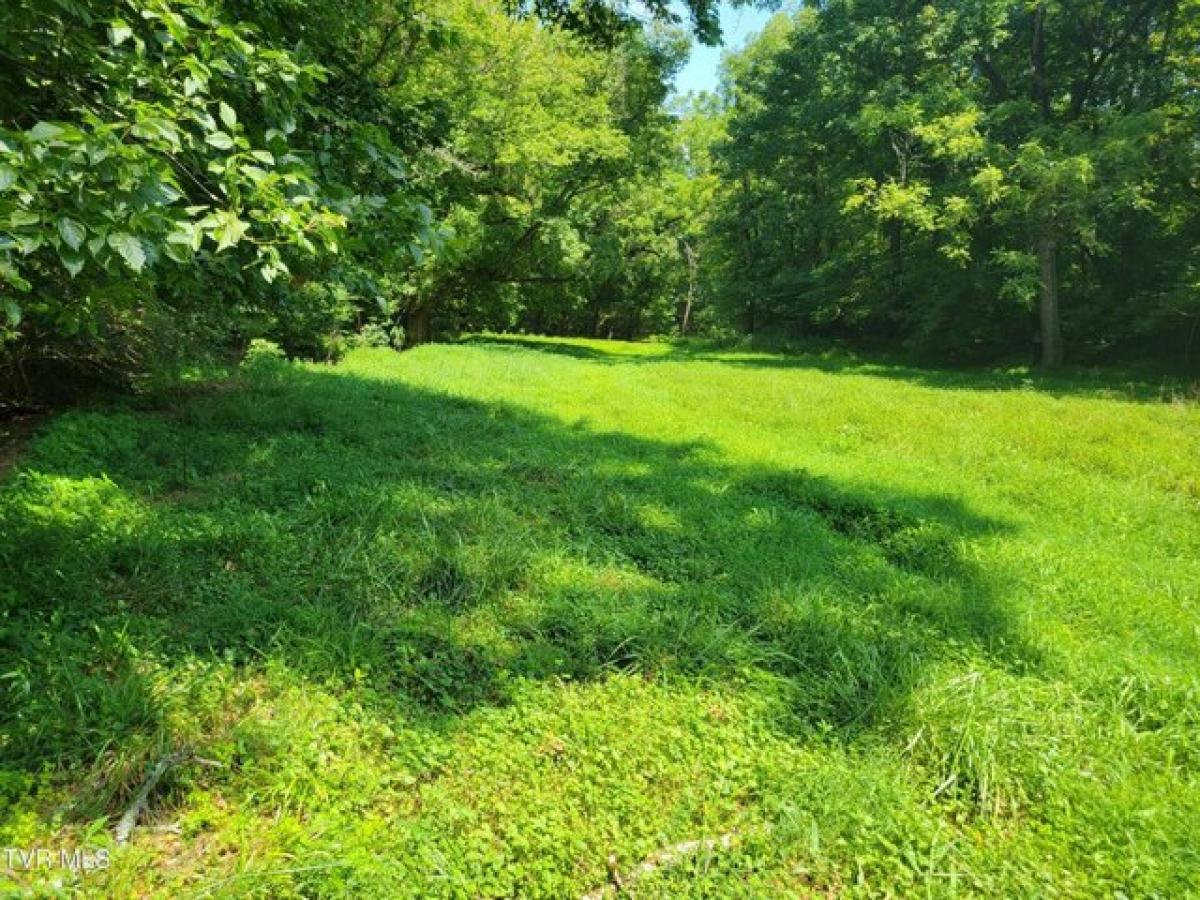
(937, 170)
(963, 178)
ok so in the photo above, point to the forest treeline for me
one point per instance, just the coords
(968, 179)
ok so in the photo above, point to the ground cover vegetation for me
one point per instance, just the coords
(472, 619)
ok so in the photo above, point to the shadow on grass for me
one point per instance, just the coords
(1111, 383)
(364, 532)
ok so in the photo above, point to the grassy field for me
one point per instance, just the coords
(507, 619)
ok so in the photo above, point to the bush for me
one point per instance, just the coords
(134, 340)
(263, 355)
(310, 321)
(370, 335)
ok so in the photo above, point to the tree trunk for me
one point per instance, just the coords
(690, 254)
(687, 314)
(1052, 351)
(418, 328)
(749, 240)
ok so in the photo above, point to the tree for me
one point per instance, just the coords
(608, 21)
(535, 181)
(314, 168)
(930, 174)
(104, 170)
(137, 136)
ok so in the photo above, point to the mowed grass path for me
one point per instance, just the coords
(472, 620)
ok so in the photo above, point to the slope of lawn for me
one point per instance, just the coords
(509, 618)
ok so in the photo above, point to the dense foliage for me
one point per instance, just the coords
(936, 171)
(966, 178)
(179, 176)
(144, 146)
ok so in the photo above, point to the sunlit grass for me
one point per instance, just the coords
(470, 620)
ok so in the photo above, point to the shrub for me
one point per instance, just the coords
(263, 355)
(371, 335)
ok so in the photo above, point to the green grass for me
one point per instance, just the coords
(470, 620)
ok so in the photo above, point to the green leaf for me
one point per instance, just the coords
(72, 232)
(177, 253)
(119, 32)
(44, 132)
(254, 173)
(13, 311)
(73, 262)
(8, 177)
(29, 243)
(229, 229)
(156, 127)
(220, 140)
(21, 218)
(176, 25)
(272, 270)
(228, 116)
(129, 248)
(186, 234)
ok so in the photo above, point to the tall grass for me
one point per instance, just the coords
(472, 620)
